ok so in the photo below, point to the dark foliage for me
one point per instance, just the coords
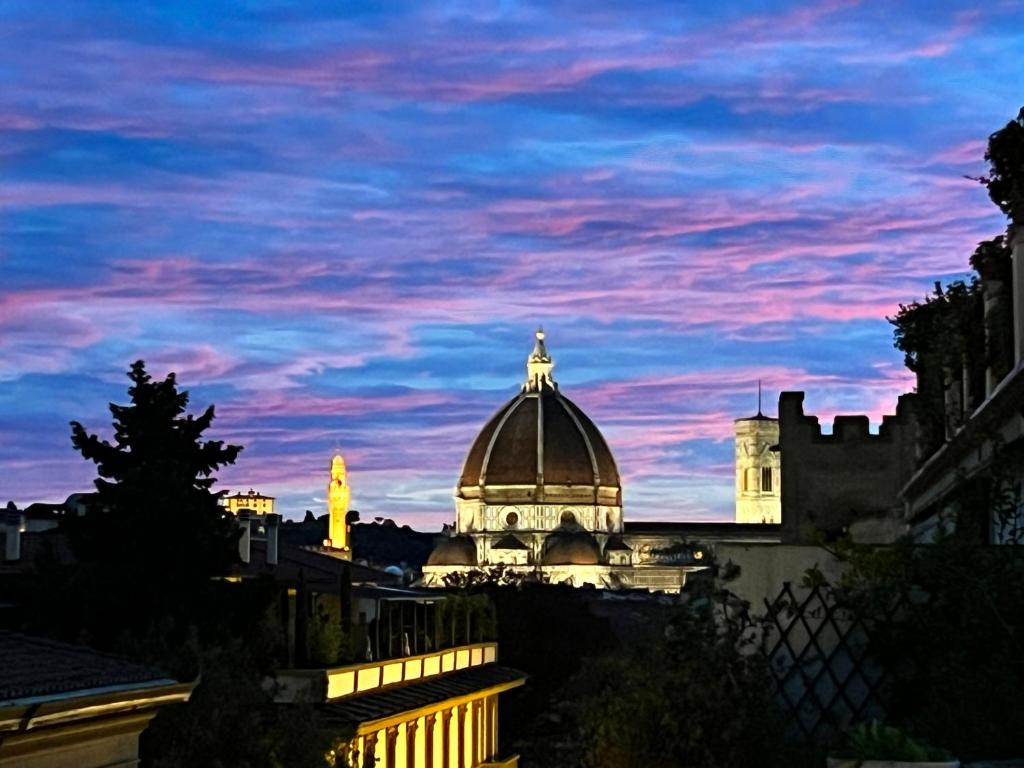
(634, 682)
(955, 647)
(939, 337)
(1005, 179)
(155, 514)
(231, 720)
(949, 334)
(142, 584)
(379, 544)
(701, 695)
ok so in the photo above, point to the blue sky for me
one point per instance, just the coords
(341, 223)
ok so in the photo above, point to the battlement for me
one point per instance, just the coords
(830, 481)
(848, 428)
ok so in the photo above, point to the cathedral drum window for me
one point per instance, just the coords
(512, 519)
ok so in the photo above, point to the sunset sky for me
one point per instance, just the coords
(342, 226)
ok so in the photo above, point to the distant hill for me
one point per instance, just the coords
(380, 544)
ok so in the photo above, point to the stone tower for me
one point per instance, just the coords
(337, 506)
(758, 469)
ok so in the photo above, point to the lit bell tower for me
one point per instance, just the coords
(337, 506)
(758, 468)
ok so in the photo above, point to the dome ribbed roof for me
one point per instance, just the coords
(541, 442)
(559, 446)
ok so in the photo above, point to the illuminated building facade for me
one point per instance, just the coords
(758, 469)
(406, 689)
(253, 501)
(540, 496)
(431, 710)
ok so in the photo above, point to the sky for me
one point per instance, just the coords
(341, 223)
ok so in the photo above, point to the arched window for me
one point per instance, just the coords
(750, 480)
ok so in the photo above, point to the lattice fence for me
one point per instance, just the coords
(818, 652)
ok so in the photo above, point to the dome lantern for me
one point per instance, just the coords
(539, 366)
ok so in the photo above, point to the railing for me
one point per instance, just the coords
(335, 683)
(507, 762)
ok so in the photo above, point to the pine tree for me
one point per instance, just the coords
(156, 524)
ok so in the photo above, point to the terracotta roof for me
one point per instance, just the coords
(539, 438)
(32, 667)
(392, 701)
(757, 417)
(457, 550)
(571, 547)
(616, 544)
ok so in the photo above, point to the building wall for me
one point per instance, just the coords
(764, 568)
(474, 516)
(758, 472)
(830, 482)
(74, 746)
(261, 505)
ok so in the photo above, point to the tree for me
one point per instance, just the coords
(946, 620)
(701, 695)
(142, 584)
(939, 337)
(156, 525)
(1005, 180)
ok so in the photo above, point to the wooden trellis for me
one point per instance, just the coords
(818, 653)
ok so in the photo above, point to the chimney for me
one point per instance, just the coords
(273, 522)
(13, 526)
(244, 542)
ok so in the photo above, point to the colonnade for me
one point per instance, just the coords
(445, 735)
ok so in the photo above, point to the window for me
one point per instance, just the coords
(750, 480)
(766, 479)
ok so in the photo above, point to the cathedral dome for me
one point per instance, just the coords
(565, 547)
(457, 550)
(540, 447)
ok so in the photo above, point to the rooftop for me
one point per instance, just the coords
(35, 667)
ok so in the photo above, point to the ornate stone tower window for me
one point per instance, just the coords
(758, 468)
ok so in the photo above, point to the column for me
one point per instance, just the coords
(446, 738)
(410, 744)
(428, 739)
(390, 736)
(478, 731)
(369, 756)
(460, 713)
(492, 703)
(485, 730)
